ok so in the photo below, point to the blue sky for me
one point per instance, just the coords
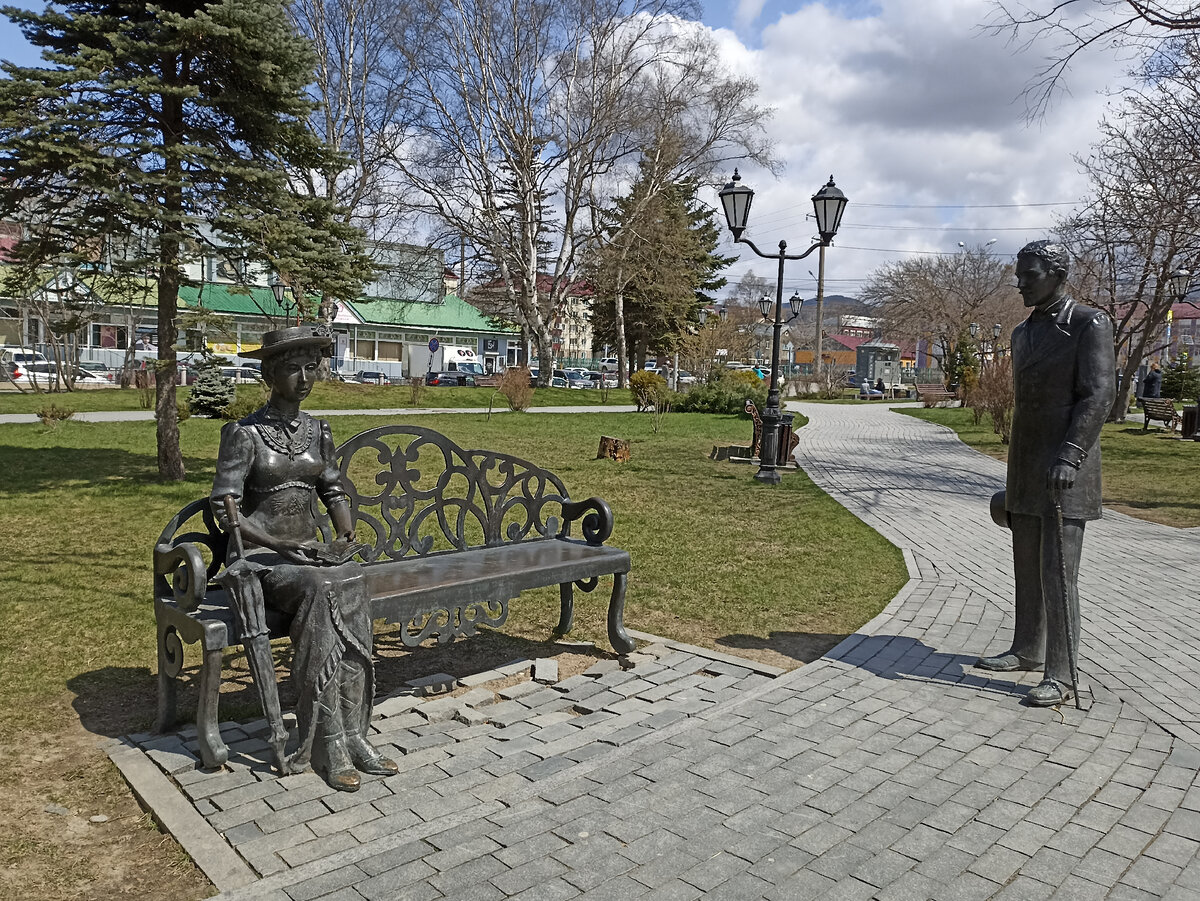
(917, 113)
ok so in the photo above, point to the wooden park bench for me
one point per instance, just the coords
(1161, 409)
(454, 535)
(934, 393)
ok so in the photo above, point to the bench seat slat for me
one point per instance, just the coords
(487, 573)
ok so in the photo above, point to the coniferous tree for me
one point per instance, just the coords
(671, 270)
(212, 392)
(158, 128)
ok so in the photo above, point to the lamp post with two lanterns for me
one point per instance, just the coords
(997, 329)
(828, 203)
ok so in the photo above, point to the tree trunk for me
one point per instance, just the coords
(619, 325)
(613, 449)
(170, 460)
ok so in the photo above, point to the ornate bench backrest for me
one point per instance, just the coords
(413, 491)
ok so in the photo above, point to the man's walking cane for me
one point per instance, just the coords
(1060, 535)
(250, 611)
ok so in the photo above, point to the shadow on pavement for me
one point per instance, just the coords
(802, 646)
(902, 657)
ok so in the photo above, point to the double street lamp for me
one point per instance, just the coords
(828, 203)
(997, 329)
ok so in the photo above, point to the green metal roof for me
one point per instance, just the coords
(232, 299)
(452, 314)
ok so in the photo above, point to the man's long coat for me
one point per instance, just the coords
(1064, 379)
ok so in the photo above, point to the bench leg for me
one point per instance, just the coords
(566, 614)
(213, 752)
(617, 635)
(170, 662)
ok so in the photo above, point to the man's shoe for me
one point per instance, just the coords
(368, 760)
(1049, 693)
(1007, 663)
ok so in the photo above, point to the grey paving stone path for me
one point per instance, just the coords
(888, 769)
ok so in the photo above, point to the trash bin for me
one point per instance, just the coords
(1189, 422)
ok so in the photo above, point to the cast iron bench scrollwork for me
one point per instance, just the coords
(454, 535)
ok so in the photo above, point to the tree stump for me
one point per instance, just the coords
(614, 449)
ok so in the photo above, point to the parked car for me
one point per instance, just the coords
(684, 379)
(11, 353)
(372, 377)
(241, 375)
(453, 378)
(601, 379)
(105, 372)
(558, 379)
(609, 364)
(577, 378)
(45, 375)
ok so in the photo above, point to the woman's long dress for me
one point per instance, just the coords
(276, 469)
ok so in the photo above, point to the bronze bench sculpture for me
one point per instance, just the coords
(453, 535)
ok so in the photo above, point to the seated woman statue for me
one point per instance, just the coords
(273, 464)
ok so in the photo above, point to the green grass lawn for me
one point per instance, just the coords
(718, 559)
(325, 396)
(1149, 474)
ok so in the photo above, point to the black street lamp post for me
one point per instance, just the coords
(828, 203)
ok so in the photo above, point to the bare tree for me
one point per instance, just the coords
(742, 300)
(1136, 28)
(532, 114)
(1142, 219)
(936, 298)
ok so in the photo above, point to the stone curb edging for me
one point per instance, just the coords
(206, 847)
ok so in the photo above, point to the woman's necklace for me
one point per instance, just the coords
(284, 436)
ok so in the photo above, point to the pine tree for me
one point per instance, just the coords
(671, 268)
(211, 392)
(155, 128)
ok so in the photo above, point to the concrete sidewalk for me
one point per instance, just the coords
(888, 769)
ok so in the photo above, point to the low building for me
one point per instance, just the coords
(227, 308)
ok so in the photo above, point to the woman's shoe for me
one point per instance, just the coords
(367, 760)
(335, 766)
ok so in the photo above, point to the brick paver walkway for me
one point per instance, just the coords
(888, 769)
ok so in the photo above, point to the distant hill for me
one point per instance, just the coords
(843, 303)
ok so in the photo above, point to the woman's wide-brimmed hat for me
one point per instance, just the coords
(285, 339)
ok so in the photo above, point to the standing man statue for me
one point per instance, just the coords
(1063, 364)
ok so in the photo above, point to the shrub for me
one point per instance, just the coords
(212, 393)
(416, 385)
(726, 393)
(968, 390)
(645, 386)
(993, 394)
(515, 386)
(54, 414)
(242, 406)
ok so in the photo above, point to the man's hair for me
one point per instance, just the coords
(1051, 251)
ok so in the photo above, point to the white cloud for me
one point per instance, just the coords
(747, 12)
(911, 106)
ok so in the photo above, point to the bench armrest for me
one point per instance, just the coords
(189, 574)
(596, 526)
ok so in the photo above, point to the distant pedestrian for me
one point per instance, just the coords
(879, 386)
(1152, 386)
